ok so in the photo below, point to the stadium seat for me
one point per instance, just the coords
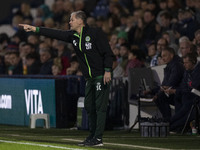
(34, 117)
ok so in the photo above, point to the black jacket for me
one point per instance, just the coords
(173, 72)
(191, 79)
(91, 46)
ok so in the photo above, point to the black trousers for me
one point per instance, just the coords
(163, 103)
(96, 102)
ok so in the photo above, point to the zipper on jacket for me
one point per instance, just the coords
(80, 39)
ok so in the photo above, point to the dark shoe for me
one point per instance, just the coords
(95, 142)
(87, 140)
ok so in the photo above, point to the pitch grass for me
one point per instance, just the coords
(70, 138)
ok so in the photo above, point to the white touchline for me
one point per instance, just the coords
(124, 145)
(41, 145)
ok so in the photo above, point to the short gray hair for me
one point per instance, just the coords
(81, 15)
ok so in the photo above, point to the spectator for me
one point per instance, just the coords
(184, 46)
(134, 60)
(74, 66)
(170, 37)
(197, 37)
(122, 38)
(6, 61)
(57, 66)
(124, 50)
(161, 44)
(43, 12)
(46, 60)
(136, 34)
(33, 63)
(173, 74)
(2, 66)
(184, 97)
(26, 49)
(113, 40)
(25, 11)
(149, 27)
(118, 71)
(152, 53)
(16, 67)
(189, 26)
(4, 40)
(165, 20)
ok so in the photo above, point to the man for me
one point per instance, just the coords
(173, 73)
(95, 57)
(16, 67)
(183, 96)
(46, 60)
(161, 44)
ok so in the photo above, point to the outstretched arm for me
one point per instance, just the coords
(28, 28)
(52, 33)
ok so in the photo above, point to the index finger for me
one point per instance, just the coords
(21, 25)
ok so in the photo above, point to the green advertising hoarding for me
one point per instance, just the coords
(21, 97)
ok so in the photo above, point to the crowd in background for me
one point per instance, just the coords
(137, 30)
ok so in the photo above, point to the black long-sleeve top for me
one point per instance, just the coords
(91, 46)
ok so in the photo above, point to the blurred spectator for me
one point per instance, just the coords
(63, 53)
(134, 60)
(49, 23)
(197, 37)
(173, 74)
(162, 4)
(16, 67)
(149, 31)
(184, 46)
(46, 60)
(122, 38)
(91, 21)
(34, 39)
(136, 34)
(79, 5)
(161, 44)
(74, 67)
(170, 37)
(68, 7)
(4, 40)
(165, 20)
(118, 71)
(123, 59)
(12, 46)
(136, 4)
(58, 11)
(144, 5)
(184, 97)
(196, 6)
(61, 48)
(57, 66)
(189, 24)
(33, 63)
(43, 12)
(113, 40)
(173, 6)
(26, 49)
(152, 6)
(25, 11)
(2, 65)
(153, 55)
(116, 52)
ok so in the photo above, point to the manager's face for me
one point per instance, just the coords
(75, 23)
